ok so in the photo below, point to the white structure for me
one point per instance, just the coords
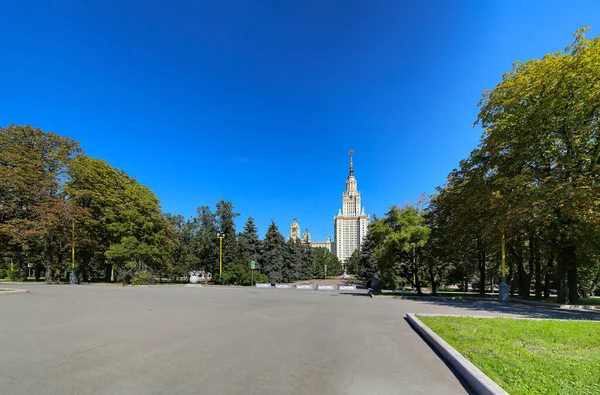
(325, 244)
(350, 224)
(295, 230)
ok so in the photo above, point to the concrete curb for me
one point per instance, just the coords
(478, 381)
(12, 291)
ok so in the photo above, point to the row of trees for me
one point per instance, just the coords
(533, 184)
(53, 196)
(197, 249)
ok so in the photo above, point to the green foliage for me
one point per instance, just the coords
(527, 356)
(400, 239)
(352, 263)
(324, 257)
(3, 273)
(249, 243)
(12, 274)
(225, 217)
(272, 260)
(367, 266)
(240, 274)
(292, 268)
(34, 210)
(205, 242)
(143, 277)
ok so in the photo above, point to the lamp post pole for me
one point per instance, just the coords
(504, 287)
(73, 276)
(220, 236)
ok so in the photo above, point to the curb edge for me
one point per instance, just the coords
(478, 380)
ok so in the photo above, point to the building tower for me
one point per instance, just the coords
(306, 237)
(350, 224)
(295, 230)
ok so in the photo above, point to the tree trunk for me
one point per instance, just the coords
(107, 271)
(21, 264)
(482, 273)
(538, 277)
(572, 280)
(594, 284)
(511, 277)
(565, 258)
(433, 284)
(517, 256)
(531, 263)
(547, 286)
(417, 281)
(48, 272)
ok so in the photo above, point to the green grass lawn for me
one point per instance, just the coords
(528, 356)
(582, 301)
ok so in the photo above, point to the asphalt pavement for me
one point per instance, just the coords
(92, 339)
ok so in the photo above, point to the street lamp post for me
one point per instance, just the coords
(504, 287)
(220, 236)
(73, 276)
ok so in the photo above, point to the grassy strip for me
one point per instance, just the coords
(528, 356)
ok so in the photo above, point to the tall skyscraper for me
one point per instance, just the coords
(350, 224)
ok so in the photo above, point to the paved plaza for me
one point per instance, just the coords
(94, 339)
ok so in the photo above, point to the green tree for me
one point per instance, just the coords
(225, 217)
(140, 236)
(403, 235)
(352, 264)
(98, 188)
(32, 168)
(307, 268)
(540, 125)
(292, 267)
(183, 256)
(249, 243)
(323, 257)
(205, 242)
(367, 266)
(273, 254)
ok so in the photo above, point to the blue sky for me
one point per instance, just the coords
(258, 102)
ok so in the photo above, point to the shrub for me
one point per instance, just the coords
(13, 274)
(3, 273)
(242, 275)
(142, 277)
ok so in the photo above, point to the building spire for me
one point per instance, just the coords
(351, 152)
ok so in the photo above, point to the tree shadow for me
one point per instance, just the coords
(525, 311)
(353, 294)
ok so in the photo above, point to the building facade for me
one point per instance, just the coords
(325, 244)
(349, 225)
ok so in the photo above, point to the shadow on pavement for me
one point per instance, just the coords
(511, 308)
(353, 294)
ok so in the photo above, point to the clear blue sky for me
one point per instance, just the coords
(258, 102)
